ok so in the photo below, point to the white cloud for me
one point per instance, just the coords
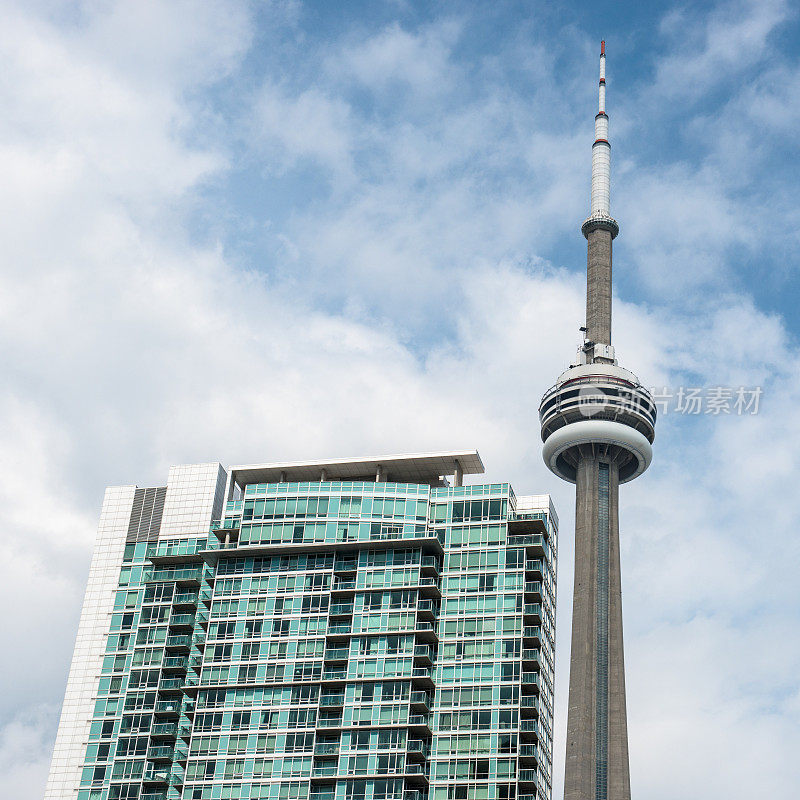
(128, 347)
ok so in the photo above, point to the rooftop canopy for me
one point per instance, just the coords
(411, 468)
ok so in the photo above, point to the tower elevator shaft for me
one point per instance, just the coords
(597, 735)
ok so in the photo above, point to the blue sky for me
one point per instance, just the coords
(282, 230)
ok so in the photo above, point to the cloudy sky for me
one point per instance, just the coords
(247, 231)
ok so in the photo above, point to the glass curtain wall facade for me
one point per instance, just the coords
(334, 640)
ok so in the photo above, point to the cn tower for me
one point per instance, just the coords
(598, 425)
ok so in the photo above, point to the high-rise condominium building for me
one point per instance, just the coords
(360, 629)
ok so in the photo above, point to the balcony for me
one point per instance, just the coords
(341, 610)
(421, 699)
(326, 749)
(430, 563)
(423, 653)
(337, 654)
(161, 753)
(529, 751)
(156, 776)
(329, 722)
(426, 609)
(419, 721)
(186, 576)
(414, 794)
(174, 664)
(529, 725)
(331, 700)
(533, 632)
(153, 796)
(170, 685)
(164, 729)
(532, 612)
(343, 586)
(178, 643)
(339, 629)
(195, 662)
(430, 585)
(324, 770)
(343, 565)
(168, 708)
(534, 588)
(530, 679)
(416, 771)
(529, 705)
(417, 748)
(527, 776)
(533, 541)
(536, 566)
(422, 675)
(185, 599)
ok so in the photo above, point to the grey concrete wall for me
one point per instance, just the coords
(598, 287)
(580, 779)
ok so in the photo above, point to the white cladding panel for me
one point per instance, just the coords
(195, 494)
(90, 644)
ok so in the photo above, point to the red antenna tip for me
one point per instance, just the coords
(603, 47)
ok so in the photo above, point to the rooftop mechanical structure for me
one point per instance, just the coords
(598, 427)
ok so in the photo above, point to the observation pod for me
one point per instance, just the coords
(597, 410)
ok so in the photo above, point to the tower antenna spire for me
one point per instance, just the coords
(600, 228)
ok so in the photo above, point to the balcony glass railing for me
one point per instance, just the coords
(176, 547)
(164, 729)
(339, 629)
(182, 620)
(179, 641)
(331, 700)
(185, 599)
(421, 672)
(421, 698)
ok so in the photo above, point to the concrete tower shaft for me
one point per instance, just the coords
(598, 426)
